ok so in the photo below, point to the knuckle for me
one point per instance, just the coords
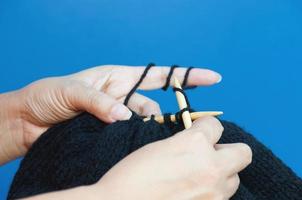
(209, 120)
(246, 151)
(197, 138)
(210, 124)
(151, 105)
(211, 127)
(72, 90)
(236, 181)
(216, 123)
(232, 186)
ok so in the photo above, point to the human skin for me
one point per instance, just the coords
(30, 111)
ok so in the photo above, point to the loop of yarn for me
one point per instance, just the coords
(185, 81)
(138, 83)
(178, 115)
(167, 116)
(168, 80)
(184, 94)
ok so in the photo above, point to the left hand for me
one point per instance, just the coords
(100, 91)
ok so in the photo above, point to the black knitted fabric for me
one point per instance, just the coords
(80, 151)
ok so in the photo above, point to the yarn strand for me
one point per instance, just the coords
(138, 83)
(167, 84)
(185, 81)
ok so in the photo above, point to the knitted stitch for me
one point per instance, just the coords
(80, 151)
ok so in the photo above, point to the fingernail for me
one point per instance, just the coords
(120, 112)
(219, 78)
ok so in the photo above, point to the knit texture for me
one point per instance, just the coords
(80, 151)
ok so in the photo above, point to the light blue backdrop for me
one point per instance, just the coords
(255, 44)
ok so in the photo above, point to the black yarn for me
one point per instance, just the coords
(184, 94)
(167, 118)
(172, 68)
(135, 87)
(185, 81)
(178, 115)
(152, 117)
(168, 79)
(186, 77)
(81, 150)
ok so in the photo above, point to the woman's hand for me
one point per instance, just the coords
(27, 113)
(187, 166)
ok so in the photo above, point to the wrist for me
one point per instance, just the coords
(82, 192)
(11, 127)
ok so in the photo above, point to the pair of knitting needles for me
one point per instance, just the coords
(187, 117)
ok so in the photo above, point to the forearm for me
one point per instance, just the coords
(78, 193)
(10, 127)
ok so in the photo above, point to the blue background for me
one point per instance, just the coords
(255, 44)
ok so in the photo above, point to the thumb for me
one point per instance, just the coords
(99, 104)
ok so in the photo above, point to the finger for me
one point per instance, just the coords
(232, 185)
(156, 77)
(143, 105)
(97, 103)
(234, 157)
(210, 127)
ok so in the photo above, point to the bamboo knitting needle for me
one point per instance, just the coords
(182, 104)
(194, 115)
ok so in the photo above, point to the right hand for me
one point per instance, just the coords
(189, 165)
